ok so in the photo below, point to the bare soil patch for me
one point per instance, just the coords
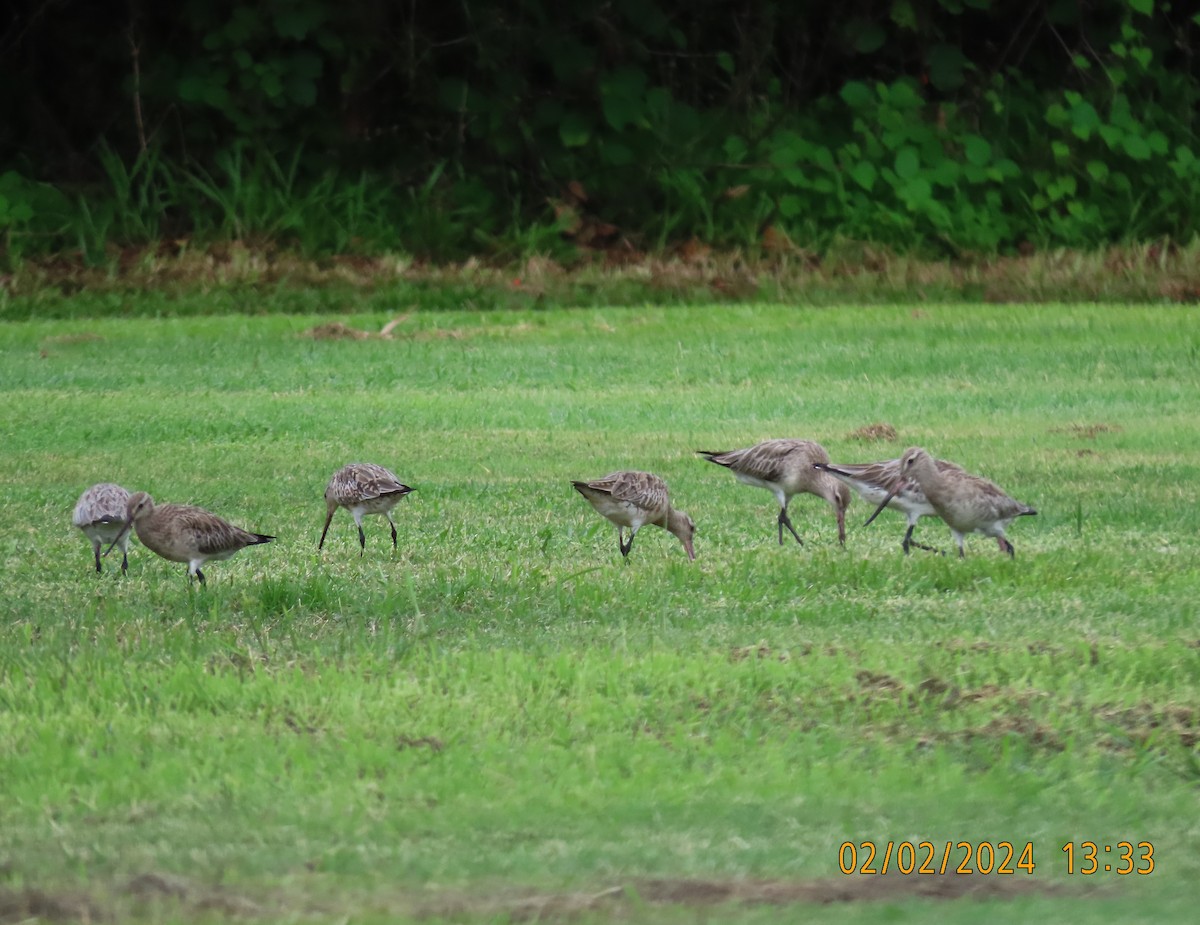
(1087, 431)
(877, 431)
(147, 897)
(29, 904)
(708, 893)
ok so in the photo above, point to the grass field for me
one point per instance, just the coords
(502, 720)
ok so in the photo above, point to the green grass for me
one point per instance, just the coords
(503, 708)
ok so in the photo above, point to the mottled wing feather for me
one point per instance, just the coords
(768, 461)
(210, 533)
(359, 482)
(642, 489)
(994, 501)
(885, 474)
(104, 503)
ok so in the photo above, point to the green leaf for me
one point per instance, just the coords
(1158, 142)
(1137, 147)
(946, 64)
(574, 131)
(790, 205)
(191, 88)
(917, 192)
(1056, 115)
(1112, 135)
(945, 173)
(908, 163)
(1098, 170)
(623, 98)
(735, 149)
(868, 37)
(1061, 188)
(857, 95)
(1084, 119)
(306, 64)
(301, 90)
(863, 173)
(903, 94)
(977, 150)
(903, 15)
(295, 21)
(796, 177)
(725, 61)
(1060, 150)
(571, 60)
(616, 154)
(1145, 7)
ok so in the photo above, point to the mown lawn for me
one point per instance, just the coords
(502, 719)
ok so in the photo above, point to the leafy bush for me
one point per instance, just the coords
(444, 129)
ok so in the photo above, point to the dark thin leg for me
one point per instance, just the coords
(1008, 548)
(785, 521)
(124, 563)
(362, 541)
(393, 534)
(200, 575)
(841, 517)
(97, 549)
(909, 543)
(961, 554)
(625, 547)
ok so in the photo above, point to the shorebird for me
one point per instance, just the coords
(634, 499)
(785, 468)
(967, 503)
(100, 514)
(879, 480)
(363, 488)
(182, 533)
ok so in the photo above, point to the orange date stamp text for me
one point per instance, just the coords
(983, 858)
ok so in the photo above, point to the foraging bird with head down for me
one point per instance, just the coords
(879, 480)
(100, 514)
(785, 468)
(363, 489)
(184, 533)
(632, 499)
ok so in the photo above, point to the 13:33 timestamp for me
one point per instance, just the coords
(1089, 857)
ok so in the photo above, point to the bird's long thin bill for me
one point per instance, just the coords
(882, 504)
(124, 530)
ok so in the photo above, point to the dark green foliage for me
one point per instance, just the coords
(948, 125)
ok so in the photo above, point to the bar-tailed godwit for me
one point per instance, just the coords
(967, 503)
(879, 480)
(785, 468)
(634, 499)
(182, 533)
(100, 514)
(362, 489)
